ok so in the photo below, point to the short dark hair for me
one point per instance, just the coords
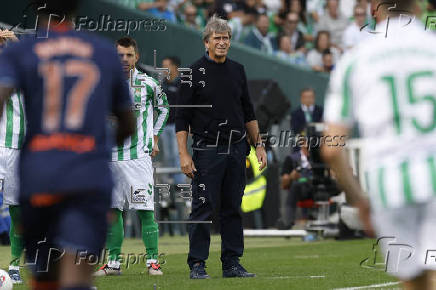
(326, 51)
(127, 41)
(174, 60)
(58, 7)
(306, 90)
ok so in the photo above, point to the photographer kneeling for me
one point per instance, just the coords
(296, 177)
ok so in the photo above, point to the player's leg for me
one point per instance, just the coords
(70, 273)
(206, 188)
(87, 214)
(16, 244)
(150, 237)
(115, 234)
(114, 242)
(402, 238)
(417, 283)
(139, 176)
(232, 238)
(37, 237)
(427, 246)
(10, 189)
(431, 279)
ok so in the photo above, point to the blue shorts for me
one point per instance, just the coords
(73, 223)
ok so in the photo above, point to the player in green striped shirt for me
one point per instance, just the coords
(132, 165)
(12, 130)
(387, 86)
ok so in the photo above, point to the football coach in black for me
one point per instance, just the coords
(220, 116)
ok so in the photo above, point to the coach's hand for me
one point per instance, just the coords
(261, 157)
(187, 165)
(8, 35)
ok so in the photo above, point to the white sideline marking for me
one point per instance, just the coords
(293, 277)
(307, 257)
(370, 286)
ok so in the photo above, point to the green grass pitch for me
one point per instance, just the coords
(278, 262)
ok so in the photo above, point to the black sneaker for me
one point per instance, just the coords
(198, 271)
(236, 270)
(15, 276)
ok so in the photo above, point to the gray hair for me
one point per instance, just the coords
(216, 24)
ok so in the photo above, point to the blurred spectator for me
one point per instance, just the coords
(353, 34)
(322, 42)
(333, 22)
(191, 18)
(276, 22)
(366, 6)
(259, 38)
(171, 87)
(327, 61)
(159, 9)
(307, 112)
(346, 8)
(295, 176)
(242, 23)
(305, 24)
(315, 8)
(230, 8)
(287, 54)
(273, 6)
(260, 7)
(290, 29)
(256, 6)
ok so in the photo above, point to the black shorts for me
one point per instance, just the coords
(75, 224)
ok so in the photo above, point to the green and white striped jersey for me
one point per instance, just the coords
(147, 96)
(387, 85)
(13, 123)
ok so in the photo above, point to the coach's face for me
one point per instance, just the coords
(128, 57)
(218, 45)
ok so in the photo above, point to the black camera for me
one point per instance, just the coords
(323, 185)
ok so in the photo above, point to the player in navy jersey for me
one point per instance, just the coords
(71, 82)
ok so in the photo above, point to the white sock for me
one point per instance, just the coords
(114, 264)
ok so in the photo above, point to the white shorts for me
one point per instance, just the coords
(9, 182)
(133, 184)
(407, 239)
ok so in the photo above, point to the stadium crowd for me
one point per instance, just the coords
(308, 33)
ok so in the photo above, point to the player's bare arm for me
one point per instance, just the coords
(155, 146)
(186, 163)
(256, 140)
(337, 159)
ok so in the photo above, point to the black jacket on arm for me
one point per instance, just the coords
(224, 87)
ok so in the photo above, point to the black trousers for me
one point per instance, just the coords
(217, 187)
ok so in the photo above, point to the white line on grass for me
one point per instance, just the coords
(294, 277)
(370, 286)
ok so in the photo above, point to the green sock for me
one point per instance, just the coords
(15, 236)
(150, 233)
(115, 236)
